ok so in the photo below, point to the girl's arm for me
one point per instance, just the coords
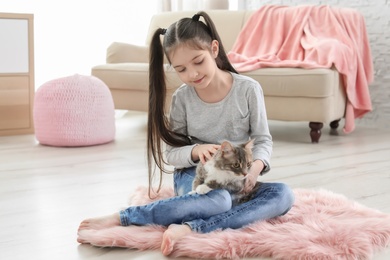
(262, 148)
(185, 156)
(254, 172)
(179, 157)
(190, 155)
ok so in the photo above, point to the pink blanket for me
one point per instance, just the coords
(310, 37)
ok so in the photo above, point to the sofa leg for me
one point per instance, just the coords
(333, 127)
(315, 132)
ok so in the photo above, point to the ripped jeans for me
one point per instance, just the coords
(211, 211)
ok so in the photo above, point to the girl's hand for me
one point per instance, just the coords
(204, 152)
(250, 182)
(254, 172)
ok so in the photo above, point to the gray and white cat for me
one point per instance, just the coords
(227, 169)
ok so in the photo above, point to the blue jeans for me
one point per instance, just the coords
(211, 211)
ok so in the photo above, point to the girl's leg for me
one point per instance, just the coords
(181, 208)
(174, 210)
(182, 180)
(178, 209)
(271, 200)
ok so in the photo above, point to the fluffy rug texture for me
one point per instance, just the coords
(321, 225)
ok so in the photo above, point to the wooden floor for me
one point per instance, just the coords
(46, 191)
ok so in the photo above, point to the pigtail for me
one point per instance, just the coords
(157, 87)
(158, 123)
(222, 60)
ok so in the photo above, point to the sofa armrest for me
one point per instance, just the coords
(119, 52)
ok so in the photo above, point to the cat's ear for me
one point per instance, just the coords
(226, 148)
(249, 145)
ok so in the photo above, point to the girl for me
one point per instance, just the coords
(214, 104)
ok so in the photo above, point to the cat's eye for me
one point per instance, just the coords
(236, 165)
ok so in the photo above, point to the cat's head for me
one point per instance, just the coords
(235, 158)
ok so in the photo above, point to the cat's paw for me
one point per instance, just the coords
(203, 189)
(192, 192)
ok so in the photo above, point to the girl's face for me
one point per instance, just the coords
(195, 67)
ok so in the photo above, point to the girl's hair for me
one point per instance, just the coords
(194, 33)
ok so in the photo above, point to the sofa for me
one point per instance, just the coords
(316, 96)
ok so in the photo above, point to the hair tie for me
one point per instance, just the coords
(163, 31)
(196, 17)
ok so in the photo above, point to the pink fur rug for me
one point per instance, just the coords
(321, 225)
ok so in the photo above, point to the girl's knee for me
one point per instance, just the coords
(287, 197)
(221, 200)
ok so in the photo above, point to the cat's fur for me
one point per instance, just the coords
(227, 169)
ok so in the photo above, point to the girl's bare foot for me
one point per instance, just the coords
(81, 237)
(171, 235)
(101, 222)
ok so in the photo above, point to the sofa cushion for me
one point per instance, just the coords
(296, 82)
(131, 76)
(119, 52)
(281, 82)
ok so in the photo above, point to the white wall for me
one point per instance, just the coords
(72, 36)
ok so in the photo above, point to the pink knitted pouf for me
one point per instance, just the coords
(74, 111)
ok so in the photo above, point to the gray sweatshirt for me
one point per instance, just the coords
(240, 116)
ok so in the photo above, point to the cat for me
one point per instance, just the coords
(227, 169)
